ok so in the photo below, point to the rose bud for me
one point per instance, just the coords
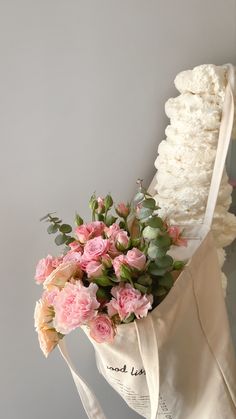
(122, 210)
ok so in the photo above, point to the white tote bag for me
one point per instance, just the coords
(178, 362)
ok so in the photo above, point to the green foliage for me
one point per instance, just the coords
(78, 220)
(65, 228)
(103, 281)
(155, 222)
(149, 203)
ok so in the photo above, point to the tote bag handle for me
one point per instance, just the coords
(226, 126)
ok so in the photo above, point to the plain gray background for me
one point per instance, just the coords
(82, 92)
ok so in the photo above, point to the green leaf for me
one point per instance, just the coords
(125, 272)
(65, 228)
(152, 251)
(108, 202)
(103, 281)
(149, 203)
(56, 220)
(155, 222)
(69, 240)
(78, 220)
(100, 217)
(145, 280)
(110, 219)
(155, 270)
(160, 291)
(122, 224)
(144, 213)
(165, 261)
(178, 265)
(163, 241)
(103, 294)
(60, 239)
(141, 288)
(52, 229)
(166, 281)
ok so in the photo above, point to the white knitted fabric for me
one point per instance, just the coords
(186, 157)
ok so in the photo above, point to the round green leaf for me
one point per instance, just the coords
(60, 239)
(155, 270)
(165, 261)
(178, 265)
(152, 251)
(163, 241)
(166, 281)
(144, 213)
(52, 229)
(149, 203)
(141, 288)
(65, 228)
(155, 222)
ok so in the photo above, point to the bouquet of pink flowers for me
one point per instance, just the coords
(113, 270)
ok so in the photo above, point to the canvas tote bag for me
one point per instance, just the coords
(178, 362)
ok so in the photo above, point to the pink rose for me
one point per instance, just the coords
(43, 269)
(117, 263)
(75, 305)
(123, 210)
(136, 259)
(112, 231)
(122, 240)
(72, 256)
(102, 329)
(113, 251)
(128, 300)
(86, 232)
(76, 246)
(94, 269)
(95, 248)
(48, 339)
(175, 233)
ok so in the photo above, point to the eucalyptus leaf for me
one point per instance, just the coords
(69, 240)
(45, 217)
(155, 270)
(145, 280)
(144, 213)
(60, 239)
(155, 222)
(152, 251)
(160, 291)
(52, 229)
(163, 241)
(165, 261)
(65, 228)
(138, 197)
(149, 203)
(166, 281)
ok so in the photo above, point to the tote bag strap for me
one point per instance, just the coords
(149, 354)
(223, 145)
(88, 399)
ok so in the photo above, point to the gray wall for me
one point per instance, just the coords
(82, 92)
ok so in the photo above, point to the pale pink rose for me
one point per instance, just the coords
(112, 231)
(117, 263)
(61, 275)
(72, 256)
(49, 295)
(94, 269)
(136, 259)
(175, 233)
(128, 300)
(43, 314)
(123, 210)
(113, 251)
(95, 248)
(76, 246)
(122, 240)
(48, 340)
(43, 269)
(75, 305)
(102, 329)
(86, 232)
